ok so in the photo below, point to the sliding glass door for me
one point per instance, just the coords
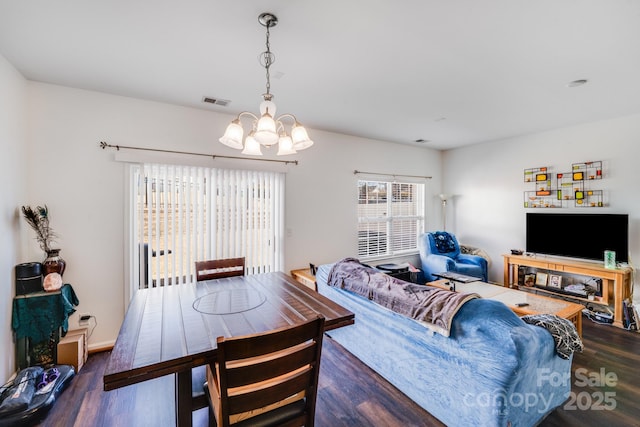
(183, 214)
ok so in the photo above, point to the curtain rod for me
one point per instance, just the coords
(356, 172)
(104, 145)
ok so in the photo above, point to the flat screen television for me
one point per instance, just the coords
(578, 235)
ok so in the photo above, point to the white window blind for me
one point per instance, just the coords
(184, 214)
(390, 217)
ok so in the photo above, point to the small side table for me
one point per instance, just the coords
(38, 319)
(400, 271)
(305, 277)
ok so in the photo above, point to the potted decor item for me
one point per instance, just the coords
(38, 219)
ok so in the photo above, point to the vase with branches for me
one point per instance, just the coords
(38, 220)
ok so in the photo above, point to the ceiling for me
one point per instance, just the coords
(450, 72)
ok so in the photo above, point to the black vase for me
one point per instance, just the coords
(54, 263)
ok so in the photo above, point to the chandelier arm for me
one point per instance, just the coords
(286, 115)
(247, 113)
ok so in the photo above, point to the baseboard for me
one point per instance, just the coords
(101, 346)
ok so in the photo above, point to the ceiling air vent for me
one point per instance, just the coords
(216, 101)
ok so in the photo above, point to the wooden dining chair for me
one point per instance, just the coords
(207, 270)
(218, 268)
(267, 379)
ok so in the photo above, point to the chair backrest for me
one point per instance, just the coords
(217, 268)
(443, 243)
(273, 374)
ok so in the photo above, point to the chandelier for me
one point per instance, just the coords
(267, 130)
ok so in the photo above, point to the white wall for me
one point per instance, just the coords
(83, 185)
(488, 182)
(321, 193)
(13, 176)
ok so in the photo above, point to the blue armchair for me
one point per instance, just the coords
(440, 251)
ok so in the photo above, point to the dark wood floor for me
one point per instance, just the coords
(351, 394)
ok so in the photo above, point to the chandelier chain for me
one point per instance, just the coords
(268, 59)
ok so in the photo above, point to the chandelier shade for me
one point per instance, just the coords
(251, 146)
(285, 145)
(267, 130)
(233, 135)
(300, 138)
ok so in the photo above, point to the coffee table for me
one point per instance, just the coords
(536, 304)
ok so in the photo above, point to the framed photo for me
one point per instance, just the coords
(541, 279)
(555, 281)
(529, 280)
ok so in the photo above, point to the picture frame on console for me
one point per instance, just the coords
(529, 280)
(541, 279)
(555, 281)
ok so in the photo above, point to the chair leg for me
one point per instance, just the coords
(212, 418)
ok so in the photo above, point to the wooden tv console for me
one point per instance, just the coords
(616, 283)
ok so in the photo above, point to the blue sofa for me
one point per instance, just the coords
(440, 252)
(493, 369)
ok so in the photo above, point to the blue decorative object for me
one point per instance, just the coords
(440, 252)
(493, 369)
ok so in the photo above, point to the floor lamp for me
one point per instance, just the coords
(444, 198)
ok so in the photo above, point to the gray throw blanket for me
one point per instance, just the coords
(432, 306)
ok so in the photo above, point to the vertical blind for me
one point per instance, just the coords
(184, 214)
(390, 217)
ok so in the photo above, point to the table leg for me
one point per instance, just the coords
(579, 324)
(183, 398)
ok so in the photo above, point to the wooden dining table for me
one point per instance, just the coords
(170, 330)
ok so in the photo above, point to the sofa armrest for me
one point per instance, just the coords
(433, 263)
(474, 260)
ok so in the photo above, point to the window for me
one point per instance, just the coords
(390, 217)
(183, 214)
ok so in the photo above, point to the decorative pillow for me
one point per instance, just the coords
(562, 330)
(472, 250)
(444, 242)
